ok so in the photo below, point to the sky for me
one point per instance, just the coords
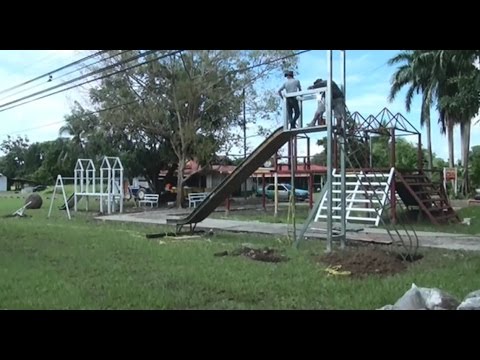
(368, 84)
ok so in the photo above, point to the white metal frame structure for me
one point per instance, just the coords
(111, 171)
(110, 183)
(359, 200)
(84, 181)
(59, 184)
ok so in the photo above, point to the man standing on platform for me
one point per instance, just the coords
(291, 85)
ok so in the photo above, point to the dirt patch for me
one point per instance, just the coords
(266, 254)
(364, 261)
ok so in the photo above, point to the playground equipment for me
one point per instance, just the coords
(20, 212)
(111, 171)
(376, 188)
(358, 195)
(108, 186)
(59, 185)
(267, 149)
(238, 177)
(411, 189)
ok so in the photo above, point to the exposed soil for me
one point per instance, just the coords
(367, 260)
(266, 254)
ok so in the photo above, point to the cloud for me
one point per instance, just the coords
(367, 104)
(39, 120)
(368, 85)
(354, 79)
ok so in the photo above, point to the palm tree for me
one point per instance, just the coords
(81, 126)
(461, 98)
(454, 83)
(415, 74)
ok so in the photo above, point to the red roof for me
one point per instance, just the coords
(192, 167)
(224, 169)
(284, 171)
(313, 168)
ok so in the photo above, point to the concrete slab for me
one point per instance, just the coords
(427, 239)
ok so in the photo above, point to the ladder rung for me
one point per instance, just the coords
(363, 175)
(351, 183)
(359, 191)
(352, 209)
(349, 218)
(363, 201)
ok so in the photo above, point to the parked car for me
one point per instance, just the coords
(284, 191)
(39, 188)
(139, 192)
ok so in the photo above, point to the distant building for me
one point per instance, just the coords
(3, 182)
(197, 178)
(207, 178)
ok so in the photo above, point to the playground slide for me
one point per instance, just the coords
(70, 202)
(231, 183)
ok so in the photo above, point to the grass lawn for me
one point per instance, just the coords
(472, 212)
(284, 216)
(87, 264)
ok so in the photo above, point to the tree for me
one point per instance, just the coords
(475, 170)
(463, 102)
(319, 159)
(454, 80)
(450, 79)
(190, 100)
(414, 72)
(52, 161)
(13, 164)
(94, 137)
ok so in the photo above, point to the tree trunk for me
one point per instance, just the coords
(429, 139)
(451, 158)
(465, 138)
(180, 170)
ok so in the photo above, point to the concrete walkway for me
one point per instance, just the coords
(450, 241)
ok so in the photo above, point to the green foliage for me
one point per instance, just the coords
(190, 102)
(319, 159)
(13, 163)
(406, 153)
(158, 115)
(448, 79)
(475, 169)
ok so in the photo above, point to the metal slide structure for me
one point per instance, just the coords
(70, 202)
(256, 159)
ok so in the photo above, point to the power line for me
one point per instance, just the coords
(121, 63)
(89, 81)
(274, 60)
(41, 60)
(141, 99)
(63, 75)
(148, 52)
(62, 121)
(56, 70)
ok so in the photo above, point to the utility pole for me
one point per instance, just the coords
(244, 138)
